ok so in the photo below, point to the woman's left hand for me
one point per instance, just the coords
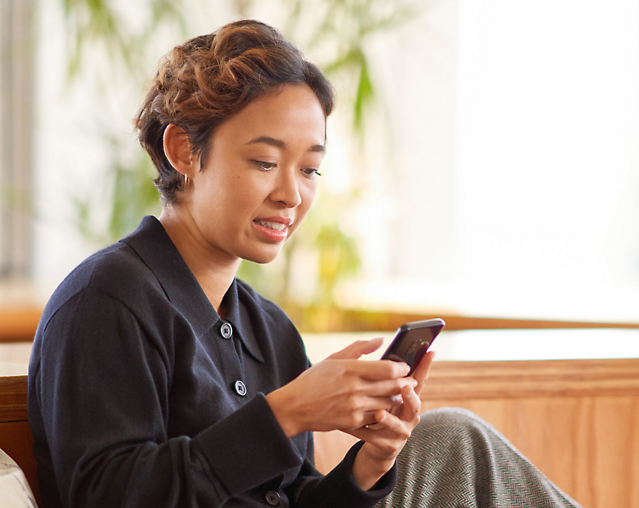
(385, 439)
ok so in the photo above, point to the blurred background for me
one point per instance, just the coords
(483, 158)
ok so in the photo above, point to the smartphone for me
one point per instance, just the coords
(412, 340)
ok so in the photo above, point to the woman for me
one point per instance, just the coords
(157, 378)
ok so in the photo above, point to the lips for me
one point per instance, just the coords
(277, 226)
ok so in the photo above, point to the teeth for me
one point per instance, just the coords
(277, 226)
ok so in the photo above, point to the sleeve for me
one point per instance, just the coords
(338, 488)
(310, 489)
(103, 389)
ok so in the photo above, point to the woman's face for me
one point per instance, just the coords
(260, 176)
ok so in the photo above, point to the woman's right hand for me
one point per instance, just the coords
(341, 392)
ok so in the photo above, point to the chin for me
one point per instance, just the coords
(263, 257)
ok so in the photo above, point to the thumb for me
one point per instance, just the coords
(357, 349)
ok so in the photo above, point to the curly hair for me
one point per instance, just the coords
(210, 78)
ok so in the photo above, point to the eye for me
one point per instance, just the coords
(264, 166)
(310, 172)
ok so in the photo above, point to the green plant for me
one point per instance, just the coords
(339, 37)
(98, 23)
(132, 196)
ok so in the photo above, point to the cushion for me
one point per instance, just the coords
(14, 488)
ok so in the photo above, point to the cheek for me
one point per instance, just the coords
(234, 196)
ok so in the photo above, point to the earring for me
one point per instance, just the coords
(186, 181)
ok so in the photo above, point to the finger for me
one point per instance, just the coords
(411, 408)
(374, 370)
(390, 403)
(392, 423)
(387, 427)
(379, 370)
(358, 348)
(372, 418)
(368, 419)
(385, 387)
(368, 410)
(367, 433)
(371, 431)
(361, 433)
(421, 371)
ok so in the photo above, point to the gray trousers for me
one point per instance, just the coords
(454, 459)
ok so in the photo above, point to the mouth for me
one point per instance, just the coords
(273, 229)
(275, 226)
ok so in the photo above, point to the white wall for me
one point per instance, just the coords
(547, 154)
(518, 168)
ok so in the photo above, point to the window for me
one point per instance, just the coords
(16, 59)
(516, 187)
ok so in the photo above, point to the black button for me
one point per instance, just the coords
(226, 330)
(272, 498)
(240, 388)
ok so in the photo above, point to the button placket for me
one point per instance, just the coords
(226, 332)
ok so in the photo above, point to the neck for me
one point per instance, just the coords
(214, 272)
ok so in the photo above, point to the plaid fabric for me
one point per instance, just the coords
(454, 459)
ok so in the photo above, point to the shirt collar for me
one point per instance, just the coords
(154, 246)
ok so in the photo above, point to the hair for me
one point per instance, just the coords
(209, 79)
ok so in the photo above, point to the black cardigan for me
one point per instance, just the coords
(141, 395)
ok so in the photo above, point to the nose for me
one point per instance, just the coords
(286, 189)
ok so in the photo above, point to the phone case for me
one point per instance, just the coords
(412, 340)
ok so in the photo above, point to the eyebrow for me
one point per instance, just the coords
(267, 140)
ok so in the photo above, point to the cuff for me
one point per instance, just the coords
(249, 439)
(350, 494)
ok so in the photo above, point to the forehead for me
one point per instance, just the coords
(292, 114)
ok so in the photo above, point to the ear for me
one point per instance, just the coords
(177, 149)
